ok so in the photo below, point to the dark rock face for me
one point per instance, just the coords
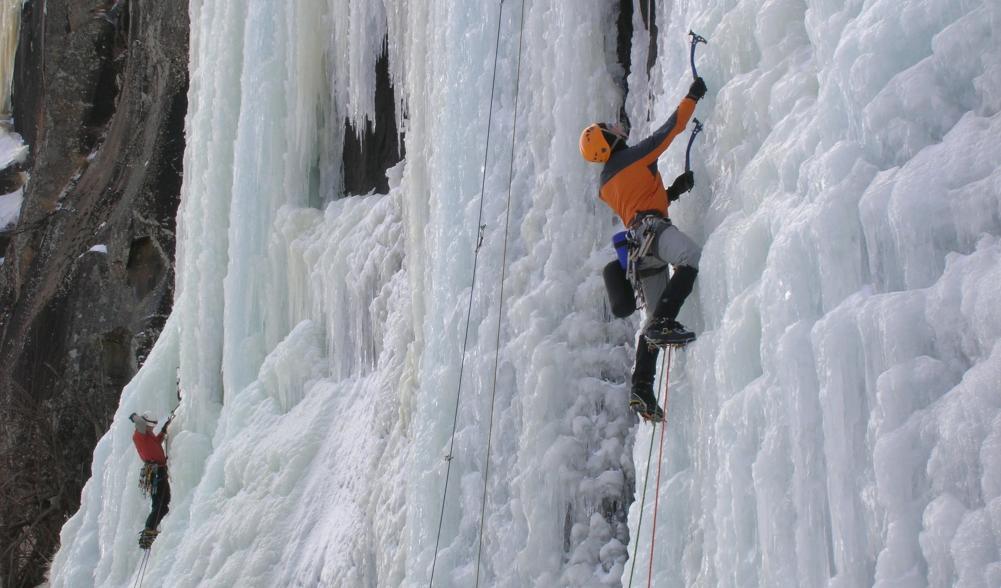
(100, 98)
(379, 147)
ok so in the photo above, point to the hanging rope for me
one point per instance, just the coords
(469, 310)
(646, 478)
(500, 304)
(142, 569)
(660, 461)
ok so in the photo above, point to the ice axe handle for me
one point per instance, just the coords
(696, 39)
(691, 140)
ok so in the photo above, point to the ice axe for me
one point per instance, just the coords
(691, 140)
(695, 40)
(170, 417)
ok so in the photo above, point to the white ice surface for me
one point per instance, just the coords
(12, 148)
(838, 422)
(10, 208)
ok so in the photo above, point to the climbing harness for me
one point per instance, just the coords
(695, 40)
(622, 275)
(666, 371)
(643, 234)
(147, 478)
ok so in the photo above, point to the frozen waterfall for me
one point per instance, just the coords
(837, 423)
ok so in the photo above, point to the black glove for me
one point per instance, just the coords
(681, 184)
(697, 90)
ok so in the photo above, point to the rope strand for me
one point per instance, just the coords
(646, 478)
(500, 304)
(660, 461)
(142, 569)
(469, 310)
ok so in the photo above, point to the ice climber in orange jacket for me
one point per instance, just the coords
(631, 185)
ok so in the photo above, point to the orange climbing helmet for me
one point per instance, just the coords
(598, 141)
(593, 145)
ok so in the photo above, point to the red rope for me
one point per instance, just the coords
(660, 461)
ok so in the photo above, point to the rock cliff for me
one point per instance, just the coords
(99, 96)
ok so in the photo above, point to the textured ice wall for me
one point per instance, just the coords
(10, 25)
(319, 341)
(837, 423)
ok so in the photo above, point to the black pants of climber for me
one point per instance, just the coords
(161, 498)
(674, 295)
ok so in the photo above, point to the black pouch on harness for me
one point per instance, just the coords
(620, 291)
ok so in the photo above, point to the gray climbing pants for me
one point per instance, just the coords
(672, 247)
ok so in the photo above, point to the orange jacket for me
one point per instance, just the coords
(630, 182)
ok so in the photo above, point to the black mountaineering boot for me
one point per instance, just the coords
(643, 403)
(147, 537)
(664, 332)
(645, 368)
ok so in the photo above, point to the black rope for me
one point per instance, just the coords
(469, 310)
(500, 304)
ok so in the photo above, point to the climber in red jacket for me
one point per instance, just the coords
(154, 473)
